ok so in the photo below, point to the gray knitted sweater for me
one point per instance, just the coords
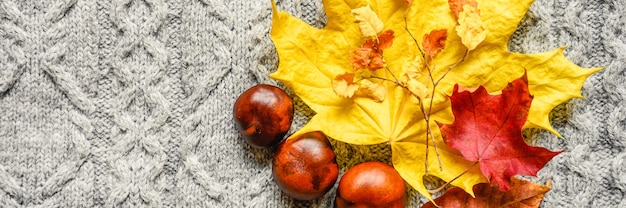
(127, 103)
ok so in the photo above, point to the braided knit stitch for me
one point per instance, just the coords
(127, 103)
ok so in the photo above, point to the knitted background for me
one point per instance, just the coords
(128, 103)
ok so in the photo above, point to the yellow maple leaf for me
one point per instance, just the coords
(310, 58)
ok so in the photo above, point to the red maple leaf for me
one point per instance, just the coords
(488, 129)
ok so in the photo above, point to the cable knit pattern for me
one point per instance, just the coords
(45, 150)
(128, 103)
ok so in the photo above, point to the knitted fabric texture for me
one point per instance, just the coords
(128, 103)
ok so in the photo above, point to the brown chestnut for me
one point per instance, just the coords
(304, 167)
(263, 114)
(371, 184)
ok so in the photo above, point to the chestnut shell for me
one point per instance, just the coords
(263, 114)
(304, 167)
(371, 184)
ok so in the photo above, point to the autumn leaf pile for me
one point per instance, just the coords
(431, 78)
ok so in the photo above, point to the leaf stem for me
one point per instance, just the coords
(436, 83)
(392, 74)
(426, 115)
(406, 27)
(429, 132)
(454, 179)
(389, 80)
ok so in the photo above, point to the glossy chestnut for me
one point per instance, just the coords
(371, 184)
(304, 167)
(263, 115)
